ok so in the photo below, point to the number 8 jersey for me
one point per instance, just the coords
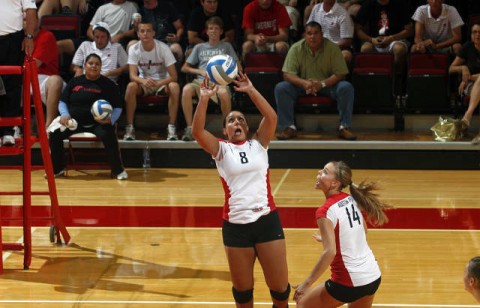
(244, 172)
(354, 264)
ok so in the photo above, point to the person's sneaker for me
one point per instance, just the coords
(129, 132)
(59, 174)
(66, 10)
(344, 133)
(172, 134)
(187, 134)
(122, 175)
(16, 132)
(476, 140)
(287, 133)
(8, 140)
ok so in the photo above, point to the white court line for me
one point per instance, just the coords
(19, 241)
(284, 177)
(195, 304)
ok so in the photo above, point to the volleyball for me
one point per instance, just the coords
(222, 69)
(101, 110)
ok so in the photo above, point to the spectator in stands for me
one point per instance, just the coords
(467, 63)
(266, 24)
(64, 7)
(337, 25)
(294, 15)
(114, 58)
(351, 6)
(196, 24)
(471, 278)
(167, 24)
(314, 65)
(16, 41)
(196, 64)
(75, 103)
(438, 28)
(152, 72)
(51, 84)
(385, 26)
(118, 16)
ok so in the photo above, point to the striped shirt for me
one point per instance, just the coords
(113, 56)
(336, 24)
(439, 29)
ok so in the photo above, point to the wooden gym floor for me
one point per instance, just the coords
(155, 240)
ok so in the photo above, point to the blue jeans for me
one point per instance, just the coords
(286, 95)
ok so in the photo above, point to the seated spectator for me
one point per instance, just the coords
(467, 63)
(167, 24)
(337, 25)
(45, 54)
(196, 25)
(196, 64)
(471, 278)
(438, 28)
(75, 103)
(294, 15)
(314, 65)
(117, 15)
(64, 7)
(152, 72)
(265, 23)
(385, 26)
(114, 58)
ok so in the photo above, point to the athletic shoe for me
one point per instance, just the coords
(187, 134)
(59, 174)
(129, 132)
(8, 140)
(16, 132)
(172, 133)
(122, 175)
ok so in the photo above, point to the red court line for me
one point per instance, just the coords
(201, 216)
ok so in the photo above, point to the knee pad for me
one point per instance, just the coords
(281, 296)
(242, 297)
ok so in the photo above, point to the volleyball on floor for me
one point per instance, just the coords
(222, 69)
(101, 110)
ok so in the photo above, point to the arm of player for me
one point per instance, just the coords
(205, 139)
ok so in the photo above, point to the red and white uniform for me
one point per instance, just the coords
(354, 264)
(244, 172)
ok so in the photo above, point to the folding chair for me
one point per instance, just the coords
(373, 80)
(428, 83)
(265, 71)
(62, 26)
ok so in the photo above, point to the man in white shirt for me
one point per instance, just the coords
(15, 42)
(114, 57)
(152, 72)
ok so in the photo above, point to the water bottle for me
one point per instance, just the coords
(146, 156)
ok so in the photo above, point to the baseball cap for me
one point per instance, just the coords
(102, 25)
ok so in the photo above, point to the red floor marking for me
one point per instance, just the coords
(196, 216)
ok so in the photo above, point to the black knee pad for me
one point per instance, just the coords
(281, 296)
(242, 297)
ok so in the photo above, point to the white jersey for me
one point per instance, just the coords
(439, 29)
(118, 17)
(244, 171)
(11, 15)
(336, 23)
(354, 264)
(151, 64)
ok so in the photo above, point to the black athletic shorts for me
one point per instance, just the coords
(350, 294)
(267, 228)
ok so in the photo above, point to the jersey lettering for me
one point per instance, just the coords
(243, 157)
(355, 217)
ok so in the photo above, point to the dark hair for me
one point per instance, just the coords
(362, 193)
(93, 55)
(313, 24)
(234, 110)
(103, 30)
(473, 268)
(215, 20)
